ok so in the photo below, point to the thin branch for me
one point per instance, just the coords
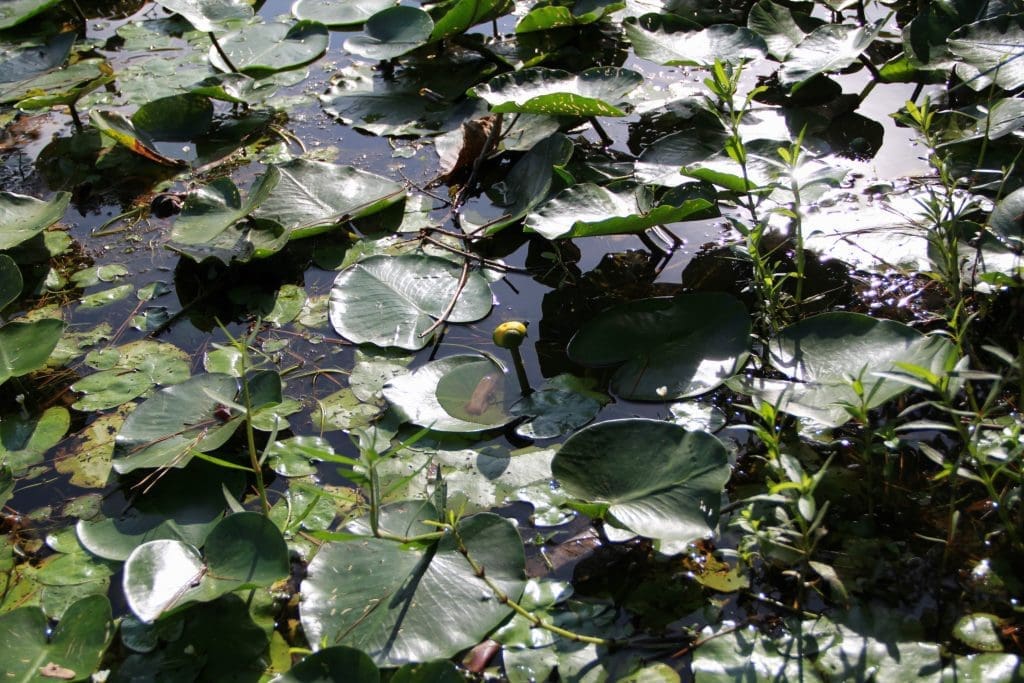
(463, 278)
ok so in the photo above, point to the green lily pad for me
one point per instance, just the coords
(183, 505)
(14, 12)
(991, 51)
(548, 17)
(245, 550)
(178, 117)
(1005, 220)
(311, 197)
(24, 347)
(210, 210)
(554, 412)
(825, 353)
(360, 98)
(72, 651)
(339, 14)
(178, 420)
(128, 371)
(463, 393)
(588, 210)
(661, 161)
(462, 15)
(391, 33)
(88, 456)
(526, 185)
(653, 478)
(209, 15)
(669, 348)
(25, 217)
(404, 603)
(780, 28)
(333, 664)
(392, 300)
(261, 50)
(979, 631)
(600, 91)
(57, 86)
(827, 48)
(721, 42)
(24, 440)
(10, 281)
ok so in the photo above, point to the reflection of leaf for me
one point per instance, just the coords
(407, 603)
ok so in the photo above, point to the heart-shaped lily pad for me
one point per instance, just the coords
(668, 348)
(245, 550)
(261, 50)
(392, 300)
(653, 478)
(600, 91)
(464, 393)
(411, 603)
(825, 354)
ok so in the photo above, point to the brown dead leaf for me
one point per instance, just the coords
(463, 154)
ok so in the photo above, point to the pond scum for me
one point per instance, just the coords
(254, 426)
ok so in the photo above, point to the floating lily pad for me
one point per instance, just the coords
(464, 14)
(123, 131)
(261, 50)
(600, 91)
(653, 478)
(588, 210)
(212, 209)
(128, 371)
(209, 15)
(311, 197)
(553, 412)
(669, 348)
(168, 428)
(24, 440)
(339, 14)
(824, 354)
(24, 347)
(828, 48)
(71, 652)
(455, 394)
(391, 33)
(992, 51)
(721, 42)
(392, 300)
(400, 603)
(245, 550)
(333, 664)
(25, 217)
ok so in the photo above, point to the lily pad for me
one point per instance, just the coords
(339, 14)
(123, 131)
(245, 550)
(669, 348)
(25, 217)
(33, 57)
(10, 281)
(992, 51)
(653, 478)
(24, 347)
(391, 33)
(24, 440)
(212, 209)
(463, 393)
(824, 355)
(828, 48)
(261, 50)
(168, 428)
(71, 652)
(721, 42)
(128, 371)
(209, 15)
(311, 197)
(333, 664)
(462, 15)
(587, 210)
(392, 300)
(600, 91)
(404, 603)
(1005, 220)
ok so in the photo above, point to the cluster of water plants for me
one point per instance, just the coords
(511, 340)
